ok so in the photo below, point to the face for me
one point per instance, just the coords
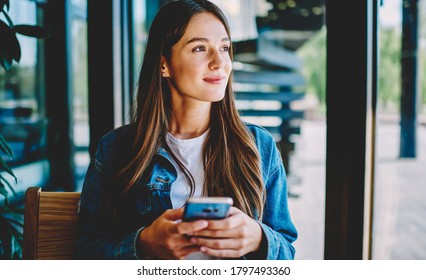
(200, 65)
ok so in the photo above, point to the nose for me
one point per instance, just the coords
(216, 61)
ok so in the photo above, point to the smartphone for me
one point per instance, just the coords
(206, 208)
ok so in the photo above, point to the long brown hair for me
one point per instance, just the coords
(231, 160)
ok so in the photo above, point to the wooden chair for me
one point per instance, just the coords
(50, 224)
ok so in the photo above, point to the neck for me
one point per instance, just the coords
(190, 122)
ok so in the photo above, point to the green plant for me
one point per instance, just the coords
(10, 49)
(10, 224)
(11, 236)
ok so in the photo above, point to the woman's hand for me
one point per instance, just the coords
(232, 237)
(166, 238)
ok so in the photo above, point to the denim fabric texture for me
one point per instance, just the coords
(150, 197)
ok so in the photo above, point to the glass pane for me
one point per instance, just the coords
(80, 96)
(22, 121)
(81, 4)
(279, 77)
(140, 34)
(400, 194)
(307, 176)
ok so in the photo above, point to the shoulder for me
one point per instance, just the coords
(118, 140)
(122, 133)
(114, 147)
(261, 135)
(267, 147)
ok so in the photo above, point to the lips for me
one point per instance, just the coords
(214, 80)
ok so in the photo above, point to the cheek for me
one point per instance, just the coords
(228, 68)
(187, 73)
(185, 77)
(183, 71)
(189, 67)
(228, 64)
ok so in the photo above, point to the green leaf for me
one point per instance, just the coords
(14, 221)
(31, 30)
(5, 61)
(5, 194)
(7, 239)
(8, 19)
(4, 3)
(16, 211)
(11, 235)
(8, 184)
(9, 47)
(5, 167)
(4, 147)
(17, 246)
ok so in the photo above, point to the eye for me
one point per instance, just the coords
(225, 48)
(199, 49)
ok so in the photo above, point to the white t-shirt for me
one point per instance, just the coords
(190, 154)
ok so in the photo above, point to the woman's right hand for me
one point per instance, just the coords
(166, 238)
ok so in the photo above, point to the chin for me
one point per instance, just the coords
(216, 97)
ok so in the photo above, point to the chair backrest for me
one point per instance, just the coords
(50, 224)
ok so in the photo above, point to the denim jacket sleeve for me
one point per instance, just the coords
(97, 240)
(278, 228)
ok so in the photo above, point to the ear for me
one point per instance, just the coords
(164, 68)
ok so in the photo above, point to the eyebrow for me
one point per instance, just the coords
(200, 39)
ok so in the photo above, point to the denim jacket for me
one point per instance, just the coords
(150, 197)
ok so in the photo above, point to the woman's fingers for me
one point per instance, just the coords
(185, 251)
(173, 214)
(222, 253)
(217, 233)
(218, 243)
(177, 232)
(235, 220)
(188, 228)
(233, 236)
(167, 238)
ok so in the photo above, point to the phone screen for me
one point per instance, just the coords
(207, 208)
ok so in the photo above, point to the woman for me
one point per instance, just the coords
(186, 139)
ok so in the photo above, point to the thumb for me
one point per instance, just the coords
(173, 214)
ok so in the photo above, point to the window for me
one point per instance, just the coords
(22, 112)
(79, 88)
(400, 195)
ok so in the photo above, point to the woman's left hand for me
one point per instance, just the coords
(232, 237)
